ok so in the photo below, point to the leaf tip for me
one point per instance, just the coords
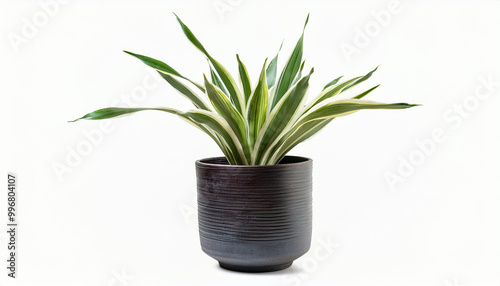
(180, 21)
(302, 65)
(78, 119)
(307, 20)
(205, 80)
(130, 53)
(409, 105)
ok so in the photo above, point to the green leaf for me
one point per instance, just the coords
(191, 37)
(224, 107)
(290, 70)
(163, 68)
(307, 21)
(281, 116)
(211, 123)
(272, 70)
(227, 79)
(294, 137)
(257, 126)
(216, 80)
(362, 79)
(184, 90)
(226, 150)
(257, 107)
(111, 112)
(233, 117)
(348, 106)
(329, 92)
(299, 75)
(221, 126)
(332, 82)
(364, 93)
(312, 124)
(236, 97)
(245, 79)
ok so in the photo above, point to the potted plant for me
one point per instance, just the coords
(254, 204)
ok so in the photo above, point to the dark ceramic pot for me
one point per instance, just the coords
(255, 218)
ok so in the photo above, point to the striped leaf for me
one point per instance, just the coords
(365, 93)
(290, 70)
(329, 92)
(272, 69)
(111, 112)
(163, 68)
(259, 126)
(223, 145)
(362, 79)
(299, 74)
(257, 107)
(212, 124)
(281, 116)
(245, 79)
(295, 137)
(222, 72)
(334, 89)
(302, 132)
(317, 120)
(225, 109)
(216, 80)
(332, 82)
(221, 126)
(232, 116)
(348, 106)
(184, 90)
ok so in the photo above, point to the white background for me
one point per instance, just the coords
(124, 213)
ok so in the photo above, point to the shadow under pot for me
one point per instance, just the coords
(255, 218)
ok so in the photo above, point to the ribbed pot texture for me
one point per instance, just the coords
(255, 218)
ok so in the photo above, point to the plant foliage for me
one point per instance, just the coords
(256, 126)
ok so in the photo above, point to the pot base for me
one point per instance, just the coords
(268, 268)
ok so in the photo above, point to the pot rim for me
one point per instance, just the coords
(206, 163)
